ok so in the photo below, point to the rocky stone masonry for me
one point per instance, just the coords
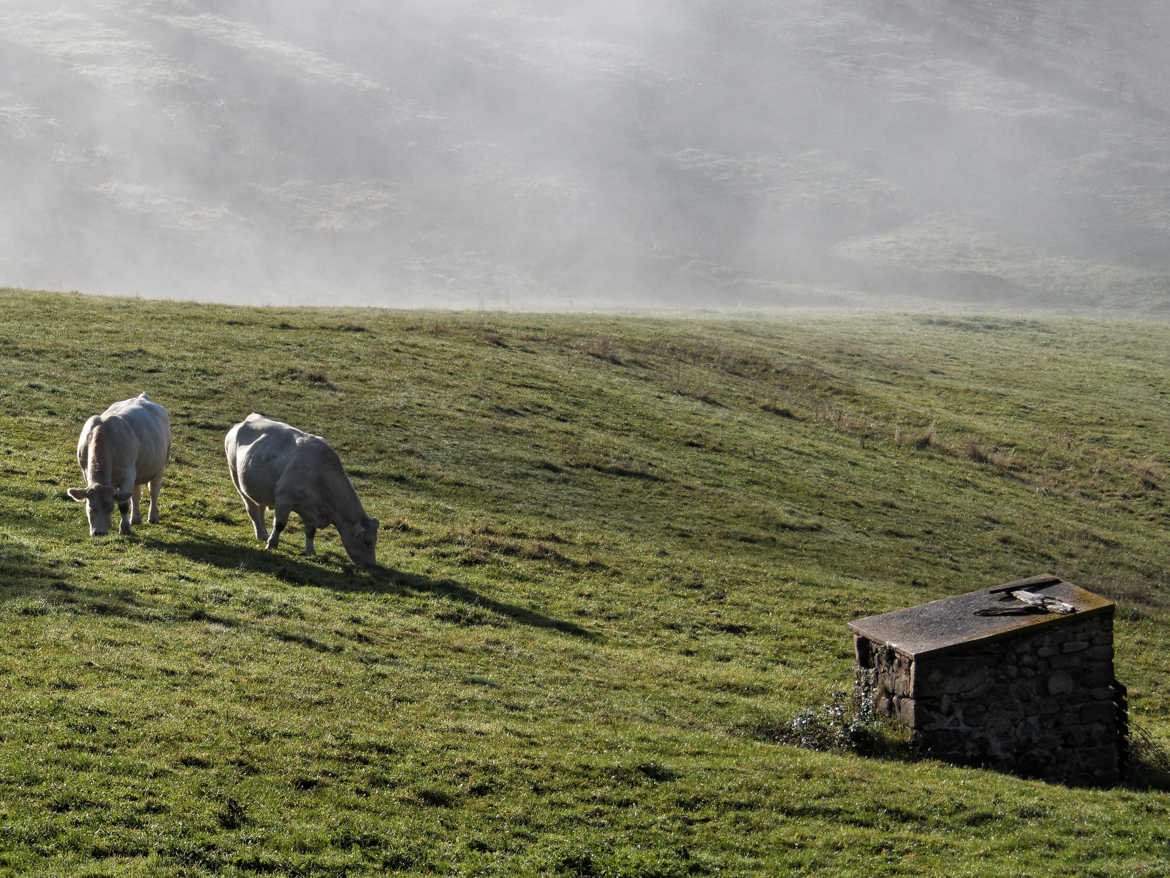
(1041, 701)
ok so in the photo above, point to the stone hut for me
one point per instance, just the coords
(1018, 677)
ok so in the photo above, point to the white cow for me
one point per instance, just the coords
(120, 450)
(277, 466)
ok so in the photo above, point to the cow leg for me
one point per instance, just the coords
(280, 520)
(310, 532)
(155, 487)
(256, 513)
(255, 510)
(124, 524)
(136, 505)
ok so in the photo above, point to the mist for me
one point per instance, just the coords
(550, 155)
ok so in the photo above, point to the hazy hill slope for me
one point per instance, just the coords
(618, 554)
(534, 154)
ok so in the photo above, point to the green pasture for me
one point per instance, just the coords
(615, 552)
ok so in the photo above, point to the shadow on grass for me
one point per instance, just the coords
(23, 574)
(1149, 761)
(298, 570)
(38, 586)
(1148, 767)
(463, 594)
(840, 727)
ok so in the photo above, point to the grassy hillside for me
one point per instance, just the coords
(616, 553)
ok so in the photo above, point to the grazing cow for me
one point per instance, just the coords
(277, 466)
(120, 450)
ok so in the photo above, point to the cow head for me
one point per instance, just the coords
(99, 501)
(360, 539)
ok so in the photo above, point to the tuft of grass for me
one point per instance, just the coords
(1148, 472)
(1149, 760)
(927, 439)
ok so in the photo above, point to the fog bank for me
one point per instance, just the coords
(522, 154)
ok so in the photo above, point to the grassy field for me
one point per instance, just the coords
(617, 554)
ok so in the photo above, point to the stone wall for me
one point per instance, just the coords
(1040, 702)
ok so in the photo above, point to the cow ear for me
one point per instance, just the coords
(78, 494)
(372, 525)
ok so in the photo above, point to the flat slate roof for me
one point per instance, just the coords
(978, 615)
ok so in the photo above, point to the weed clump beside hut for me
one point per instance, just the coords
(1017, 677)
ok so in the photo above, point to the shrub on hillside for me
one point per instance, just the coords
(845, 724)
